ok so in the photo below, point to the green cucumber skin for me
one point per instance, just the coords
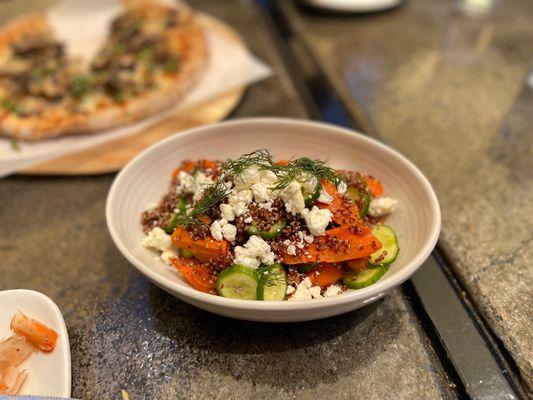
(359, 280)
(173, 222)
(276, 292)
(247, 275)
(306, 268)
(272, 233)
(355, 195)
(388, 238)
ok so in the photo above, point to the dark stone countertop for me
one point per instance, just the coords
(449, 90)
(126, 333)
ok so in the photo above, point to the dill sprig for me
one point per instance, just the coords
(301, 169)
(259, 158)
(212, 196)
(267, 277)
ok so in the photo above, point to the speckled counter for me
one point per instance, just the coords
(449, 90)
(125, 333)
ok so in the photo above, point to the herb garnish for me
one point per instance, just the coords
(212, 196)
(269, 277)
(80, 86)
(300, 169)
(10, 106)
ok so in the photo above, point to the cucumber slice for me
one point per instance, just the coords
(272, 283)
(361, 198)
(238, 282)
(173, 222)
(272, 233)
(311, 197)
(359, 280)
(389, 250)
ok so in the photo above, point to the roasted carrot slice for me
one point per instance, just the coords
(34, 331)
(358, 264)
(343, 210)
(326, 274)
(339, 244)
(208, 164)
(374, 185)
(203, 249)
(187, 166)
(198, 275)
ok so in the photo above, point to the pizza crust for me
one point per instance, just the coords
(58, 122)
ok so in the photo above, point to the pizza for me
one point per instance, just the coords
(151, 57)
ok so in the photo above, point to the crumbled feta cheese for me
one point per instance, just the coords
(293, 198)
(157, 239)
(342, 187)
(317, 220)
(333, 290)
(306, 291)
(226, 211)
(290, 289)
(166, 256)
(291, 249)
(193, 184)
(216, 230)
(186, 183)
(239, 201)
(286, 242)
(246, 178)
(261, 188)
(325, 197)
(382, 206)
(201, 181)
(254, 252)
(229, 232)
(309, 238)
(308, 182)
(248, 220)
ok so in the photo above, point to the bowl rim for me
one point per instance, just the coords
(361, 295)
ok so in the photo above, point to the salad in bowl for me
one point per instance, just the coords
(256, 228)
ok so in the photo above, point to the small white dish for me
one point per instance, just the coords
(146, 178)
(49, 374)
(353, 5)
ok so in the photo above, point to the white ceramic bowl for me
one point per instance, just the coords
(146, 178)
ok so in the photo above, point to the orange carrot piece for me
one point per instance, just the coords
(346, 246)
(208, 164)
(34, 331)
(203, 249)
(358, 264)
(186, 166)
(374, 185)
(198, 275)
(282, 162)
(343, 210)
(326, 274)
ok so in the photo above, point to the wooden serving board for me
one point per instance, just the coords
(112, 156)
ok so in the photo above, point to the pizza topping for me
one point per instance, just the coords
(37, 75)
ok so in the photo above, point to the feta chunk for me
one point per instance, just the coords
(157, 239)
(201, 181)
(254, 253)
(216, 230)
(342, 187)
(306, 291)
(291, 250)
(317, 220)
(333, 290)
(325, 197)
(186, 183)
(226, 211)
(229, 232)
(382, 206)
(166, 256)
(293, 198)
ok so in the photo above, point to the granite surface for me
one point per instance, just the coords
(127, 334)
(449, 90)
